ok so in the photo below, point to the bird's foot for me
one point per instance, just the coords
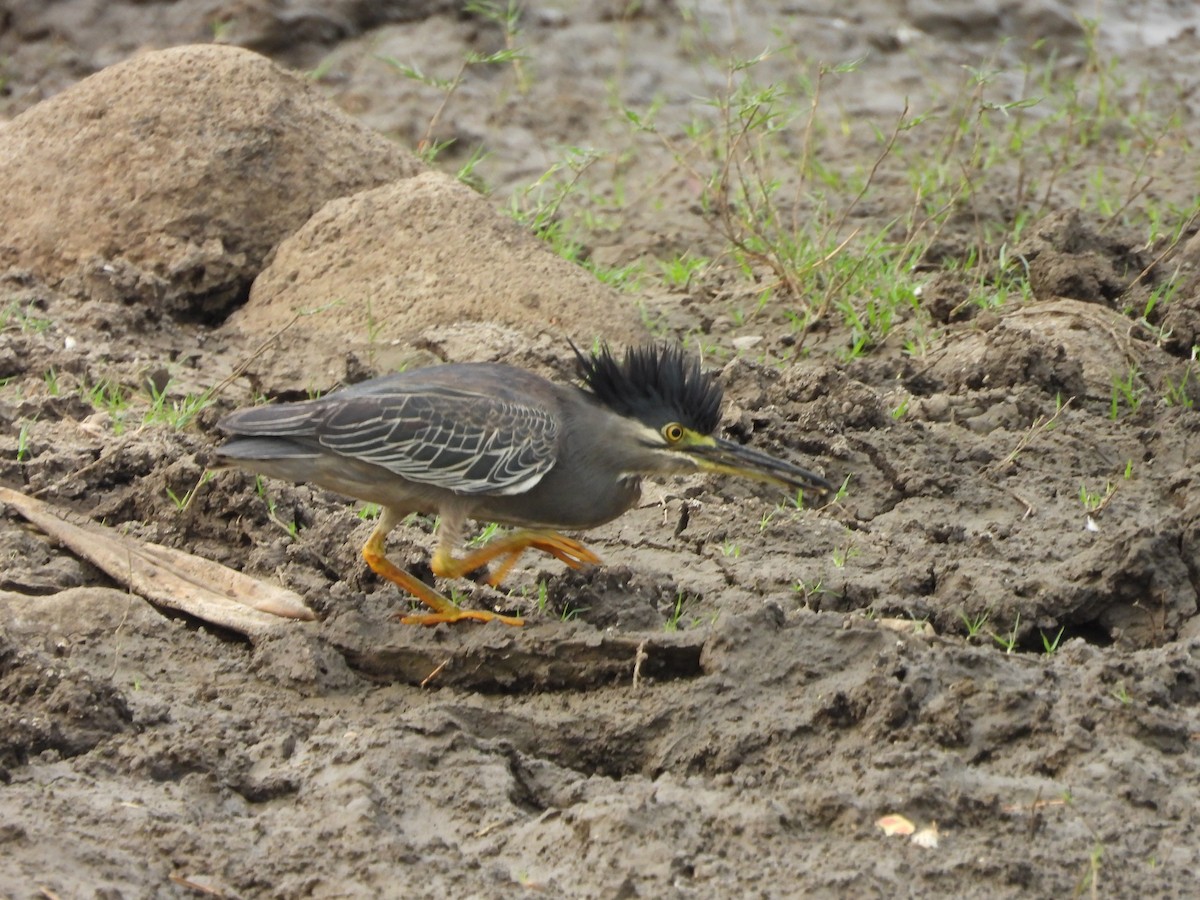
(562, 548)
(458, 615)
(508, 550)
(444, 609)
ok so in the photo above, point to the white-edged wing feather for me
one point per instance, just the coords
(460, 440)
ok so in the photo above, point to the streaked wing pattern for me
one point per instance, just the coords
(281, 420)
(465, 442)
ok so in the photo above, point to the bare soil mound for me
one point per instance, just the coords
(380, 270)
(166, 179)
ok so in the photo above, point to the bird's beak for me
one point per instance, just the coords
(714, 454)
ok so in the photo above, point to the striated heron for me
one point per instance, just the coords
(494, 443)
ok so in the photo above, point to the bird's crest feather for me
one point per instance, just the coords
(655, 384)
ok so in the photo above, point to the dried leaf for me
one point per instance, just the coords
(169, 577)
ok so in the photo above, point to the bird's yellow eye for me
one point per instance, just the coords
(673, 433)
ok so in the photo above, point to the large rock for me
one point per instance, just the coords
(421, 262)
(168, 178)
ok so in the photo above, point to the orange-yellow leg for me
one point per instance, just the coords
(444, 609)
(509, 549)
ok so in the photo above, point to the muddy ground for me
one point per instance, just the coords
(993, 632)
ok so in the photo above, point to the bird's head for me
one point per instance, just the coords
(674, 407)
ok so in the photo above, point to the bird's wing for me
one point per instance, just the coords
(460, 440)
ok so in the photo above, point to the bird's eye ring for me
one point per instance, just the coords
(673, 432)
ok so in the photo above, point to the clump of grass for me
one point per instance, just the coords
(23, 318)
(118, 402)
(489, 531)
(174, 412)
(1127, 392)
(1177, 392)
(679, 271)
(842, 555)
(184, 500)
(1050, 644)
(676, 615)
(24, 454)
(292, 528)
(1009, 640)
(1094, 501)
(974, 624)
(109, 397)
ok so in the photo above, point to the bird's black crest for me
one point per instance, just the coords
(655, 384)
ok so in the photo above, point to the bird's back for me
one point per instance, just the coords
(467, 428)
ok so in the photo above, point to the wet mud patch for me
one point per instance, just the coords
(51, 709)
